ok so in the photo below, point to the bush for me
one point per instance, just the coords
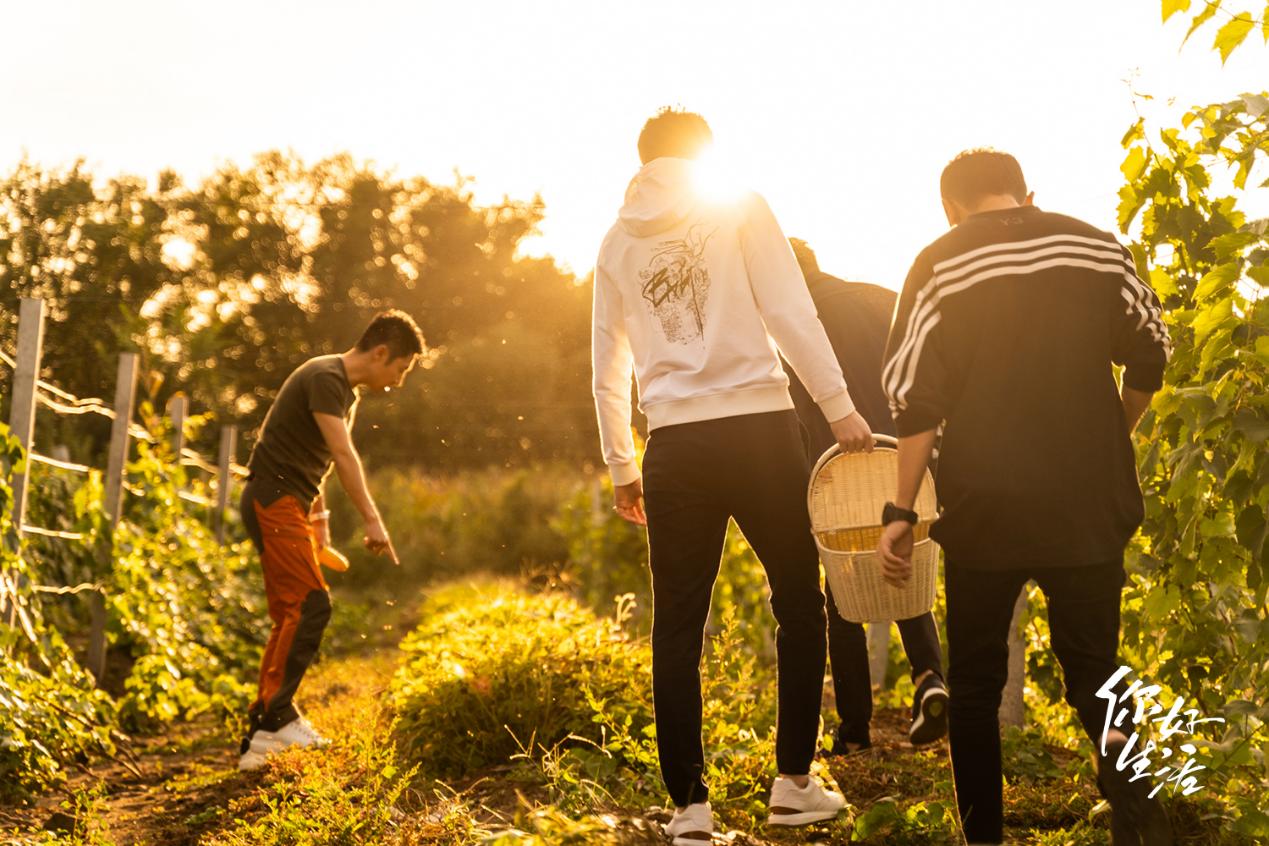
(51, 712)
(495, 672)
(497, 675)
(181, 617)
(490, 520)
(608, 558)
(186, 611)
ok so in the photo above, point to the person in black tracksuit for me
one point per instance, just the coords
(856, 317)
(1006, 334)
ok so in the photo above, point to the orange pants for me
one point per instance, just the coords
(298, 599)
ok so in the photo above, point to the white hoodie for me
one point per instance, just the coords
(689, 295)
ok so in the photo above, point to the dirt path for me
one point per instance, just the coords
(181, 785)
(179, 780)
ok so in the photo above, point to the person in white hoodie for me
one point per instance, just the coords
(689, 295)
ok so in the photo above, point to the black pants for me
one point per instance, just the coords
(1083, 607)
(852, 678)
(696, 476)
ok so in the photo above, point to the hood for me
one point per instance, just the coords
(660, 196)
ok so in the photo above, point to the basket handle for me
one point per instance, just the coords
(835, 450)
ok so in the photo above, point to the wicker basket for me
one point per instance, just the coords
(845, 498)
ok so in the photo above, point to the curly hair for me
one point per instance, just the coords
(674, 132)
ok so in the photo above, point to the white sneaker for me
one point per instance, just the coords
(793, 805)
(691, 826)
(298, 732)
(250, 761)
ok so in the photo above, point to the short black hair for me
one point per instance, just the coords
(674, 132)
(396, 330)
(805, 255)
(979, 173)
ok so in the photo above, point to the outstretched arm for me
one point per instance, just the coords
(353, 478)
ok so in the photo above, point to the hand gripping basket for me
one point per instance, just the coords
(845, 498)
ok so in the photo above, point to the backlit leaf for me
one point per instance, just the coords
(1232, 34)
(1216, 280)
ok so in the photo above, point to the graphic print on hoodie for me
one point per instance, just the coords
(693, 297)
(676, 283)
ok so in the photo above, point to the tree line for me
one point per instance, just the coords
(225, 285)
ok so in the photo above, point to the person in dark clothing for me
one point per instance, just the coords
(305, 433)
(856, 317)
(1006, 333)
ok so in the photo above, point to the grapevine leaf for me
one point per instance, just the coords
(1201, 18)
(1232, 34)
(1171, 7)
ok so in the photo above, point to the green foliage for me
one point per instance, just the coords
(50, 713)
(1194, 612)
(353, 793)
(547, 826)
(1230, 34)
(181, 615)
(225, 286)
(490, 520)
(319, 804)
(185, 610)
(608, 558)
(508, 671)
(920, 822)
(497, 675)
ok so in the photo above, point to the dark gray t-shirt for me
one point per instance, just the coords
(291, 456)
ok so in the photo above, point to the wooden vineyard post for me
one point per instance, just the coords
(878, 652)
(1012, 707)
(224, 477)
(116, 465)
(26, 374)
(177, 411)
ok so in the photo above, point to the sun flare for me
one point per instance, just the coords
(717, 177)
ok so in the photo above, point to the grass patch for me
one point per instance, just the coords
(495, 673)
(585, 771)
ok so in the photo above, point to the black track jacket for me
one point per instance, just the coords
(1006, 331)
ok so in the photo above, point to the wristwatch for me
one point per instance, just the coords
(892, 512)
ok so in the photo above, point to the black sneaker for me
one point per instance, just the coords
(929, 712)
(842, 748)
(1136, 819)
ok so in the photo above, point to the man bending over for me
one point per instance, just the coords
(284, 512)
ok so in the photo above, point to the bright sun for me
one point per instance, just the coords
(717, 177)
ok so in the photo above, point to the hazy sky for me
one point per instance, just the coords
(841, 113)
